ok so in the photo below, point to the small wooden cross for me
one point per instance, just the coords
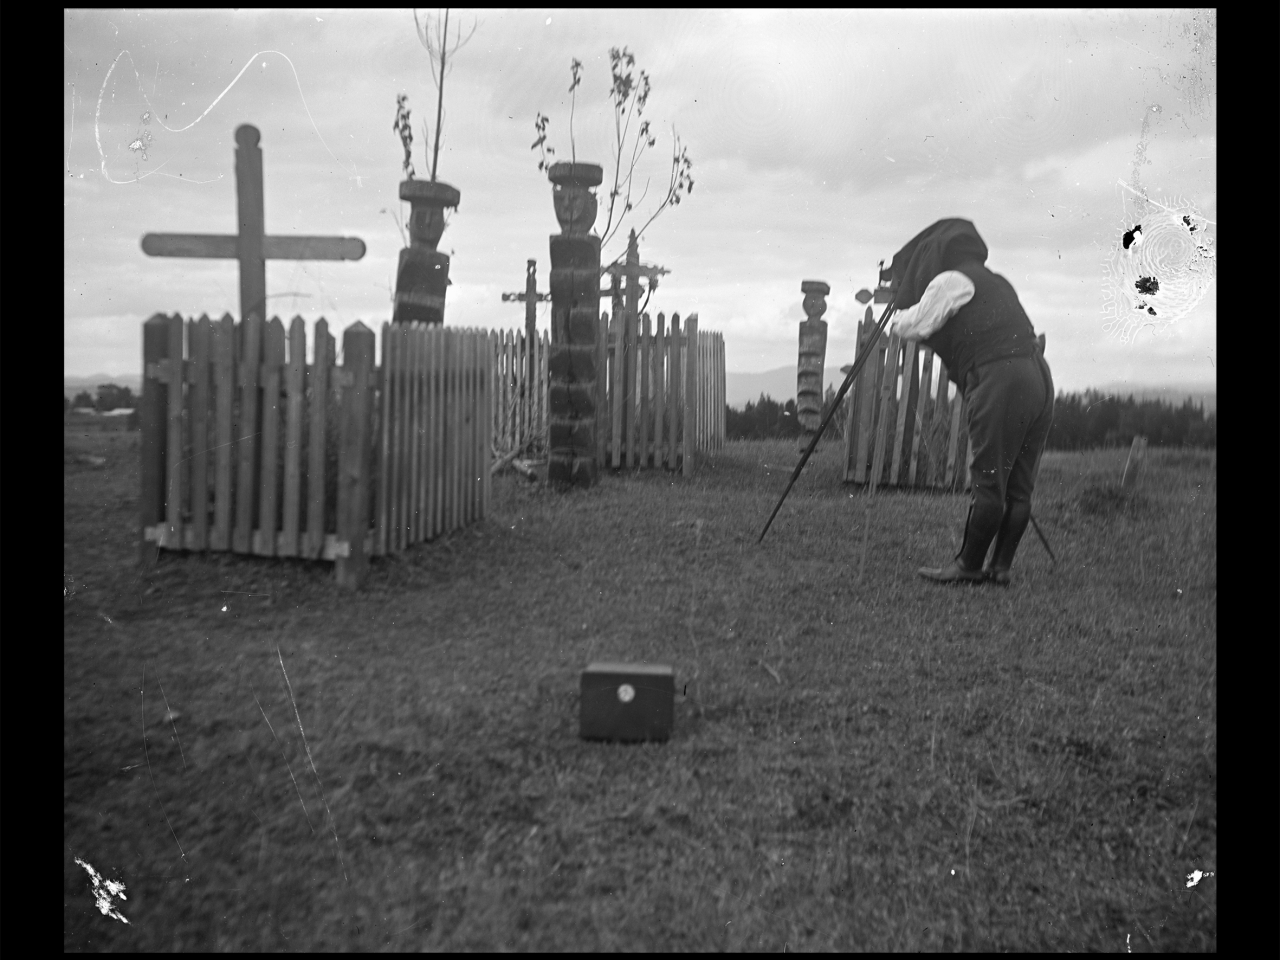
(530, 298)
(251, 246)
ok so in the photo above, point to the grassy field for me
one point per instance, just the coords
(861, 761)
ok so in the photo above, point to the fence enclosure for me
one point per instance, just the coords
(257, 451)
(905, 423)
(656, 414)
(658, 391)
(520, 407)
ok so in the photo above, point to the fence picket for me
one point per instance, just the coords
(322, 360)
(224, 375)
(956, 403)
(867, 404)
(439, 446)
(248, 433)
(450, 430)
(922, 403)
(633, 389)
(295, 371)
(906, 407)
(198, 340)
(468, 435)
(616, 381)
(353, 458)
(677, 392)
(418, 503)
(938, 430)
(486, 445)
(176, 468)
(264, 536)
(888, 376)
(689, 455)
(646, 361)
(659, 388)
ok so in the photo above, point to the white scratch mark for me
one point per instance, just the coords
(286, 761)
(102, 93)
(106, 892)
(332, 825)
(1195, 876)
(172, 717)
(147, 754)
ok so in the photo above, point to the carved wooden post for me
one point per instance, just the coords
(575, 323)
(813, 353)
(422, 278)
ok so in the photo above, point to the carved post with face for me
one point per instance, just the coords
(813, 354)
(575, 322)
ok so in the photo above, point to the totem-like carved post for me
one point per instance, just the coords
(423, 274)
(575, 320)
(813, 354)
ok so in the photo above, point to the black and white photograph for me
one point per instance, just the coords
(640, 480)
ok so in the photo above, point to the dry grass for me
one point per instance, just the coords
(866, 763)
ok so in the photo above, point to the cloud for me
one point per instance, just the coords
(1019, 120)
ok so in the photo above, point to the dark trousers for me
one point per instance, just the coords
(1010, 409)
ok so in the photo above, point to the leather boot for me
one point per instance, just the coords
(967, 565)
(1013, 525)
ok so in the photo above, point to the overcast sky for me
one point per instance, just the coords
(822, 141)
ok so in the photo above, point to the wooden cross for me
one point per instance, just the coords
(251, 246)
(633, 270)
(530, 298)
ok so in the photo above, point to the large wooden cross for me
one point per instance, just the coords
(530, 298)
(251, 246)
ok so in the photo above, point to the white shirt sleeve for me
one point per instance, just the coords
(946, 293)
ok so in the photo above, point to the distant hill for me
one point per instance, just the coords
(780, 384)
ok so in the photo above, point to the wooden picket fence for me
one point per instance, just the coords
(657, 394)
(906, 424)
(520, 403)
(260, 452)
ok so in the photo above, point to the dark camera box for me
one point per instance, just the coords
(627, 701)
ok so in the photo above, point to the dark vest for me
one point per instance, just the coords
(991, 326)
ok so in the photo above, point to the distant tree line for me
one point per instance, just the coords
(110, 397)
(1093, 419)
(765, 419)
(1081, 421)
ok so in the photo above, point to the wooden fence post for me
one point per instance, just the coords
(151, 420)
(351, 565)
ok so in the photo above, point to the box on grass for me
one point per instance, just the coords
(627, 701)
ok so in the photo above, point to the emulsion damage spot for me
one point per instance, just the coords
(1147, 285)
(1133, 236)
